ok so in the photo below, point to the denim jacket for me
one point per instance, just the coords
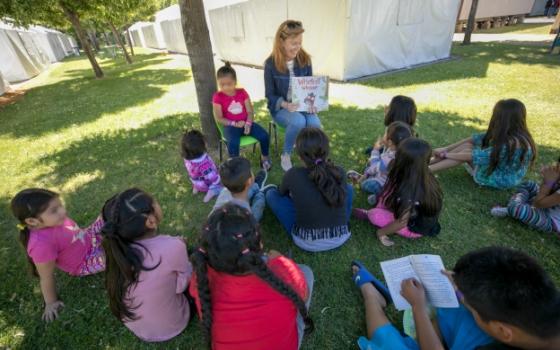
(276, 83)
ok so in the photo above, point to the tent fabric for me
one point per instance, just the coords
(496, 8)
(4, 85)
(538, 8)
(173, 36)
(347, 39)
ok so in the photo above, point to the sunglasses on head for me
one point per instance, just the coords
(293, 24)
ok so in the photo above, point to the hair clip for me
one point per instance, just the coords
(21, 227)
(200, 249)
(245, 251)
(318, 161)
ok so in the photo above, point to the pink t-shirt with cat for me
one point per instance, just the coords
(233, 107)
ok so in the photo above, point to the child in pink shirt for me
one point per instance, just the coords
(201, 168)
(53, 240)
(147, 273)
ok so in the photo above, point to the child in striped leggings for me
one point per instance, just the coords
(534, 205)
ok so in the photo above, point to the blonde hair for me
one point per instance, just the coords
(288, 29)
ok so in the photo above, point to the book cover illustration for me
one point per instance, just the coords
(309, 92)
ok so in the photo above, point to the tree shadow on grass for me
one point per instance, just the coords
(473, 63)
(67, 103)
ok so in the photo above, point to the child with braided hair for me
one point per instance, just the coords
(147, 273)
(247, 299)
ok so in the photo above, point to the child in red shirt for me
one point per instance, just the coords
(247, 300)
(234, 110)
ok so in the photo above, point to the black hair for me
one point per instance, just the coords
(234, 173)
(508, 129)
(125, 217)
(30, 203)
(398, 132)
(506, 285)
(193, 144)
(410, 184)
(401, 109)
(230, 242)
(312, 146)
(226, 70)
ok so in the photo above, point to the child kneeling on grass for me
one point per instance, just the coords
(147, 273)
(507, 301)
(534, 205)
(247, 299)
(411, 199)
(498, 158)
(53, 240)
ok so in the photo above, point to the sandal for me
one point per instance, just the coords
(363, 276)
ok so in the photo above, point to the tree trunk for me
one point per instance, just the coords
(75, 20)
(199, 48)
(120, 43)
(470, 23)
(129, 38)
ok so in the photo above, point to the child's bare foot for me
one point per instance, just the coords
(209, 195)
(369, 290)
(194, 191)
(385, 240)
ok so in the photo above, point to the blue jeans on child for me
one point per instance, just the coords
(257, 200)
(371, 186)
(284, 210)
(233, 135)
(293, 122)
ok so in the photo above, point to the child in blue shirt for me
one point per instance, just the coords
(507, 301)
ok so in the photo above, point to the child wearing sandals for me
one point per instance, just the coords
(247, 299)
(200, 166)
(507, 301)
(52, 240)
(375, 175)
(498, 158)
(534, 205)
(411, 199)
(233, 109)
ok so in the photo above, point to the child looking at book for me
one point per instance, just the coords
(411, 199)
(507, 302)
(200, 166)
(498, 158)
(534, 205)
(52, 240)
(241, 187)
(375, 175)
(247, 299)
(234, 110)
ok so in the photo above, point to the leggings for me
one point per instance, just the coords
(520, 207)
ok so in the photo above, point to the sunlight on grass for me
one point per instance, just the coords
(80, 180)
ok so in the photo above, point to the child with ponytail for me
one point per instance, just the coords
(314, 202)
(147, 273)
(53, 240)
(247, 299)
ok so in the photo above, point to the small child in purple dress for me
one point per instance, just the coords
(201, 168)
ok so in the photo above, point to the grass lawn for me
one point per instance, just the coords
(89, 138)
(522, 28)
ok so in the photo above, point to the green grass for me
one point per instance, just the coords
(522, 28)
(89, 138)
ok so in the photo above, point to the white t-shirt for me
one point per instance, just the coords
(290, 65)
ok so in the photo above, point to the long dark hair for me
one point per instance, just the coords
(398, 132)
(312, 146)
(193, 144)
(410, 185)
(30, 203)
(401, 109)
(508, 129)
(125, 222)
(230, 242)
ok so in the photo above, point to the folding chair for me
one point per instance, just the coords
(243, 142)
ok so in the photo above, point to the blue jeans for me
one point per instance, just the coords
(257, 201)
(284, 210)
(293, 122)
(371, 186)
(233, 135)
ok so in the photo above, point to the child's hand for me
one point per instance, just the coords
(550, 173)
(413, 292)
(51, 311)
(273, 254)
(239, 124)
(379, 143)
(247, 130)
(290, 107)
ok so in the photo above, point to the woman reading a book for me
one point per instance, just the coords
(288, 59)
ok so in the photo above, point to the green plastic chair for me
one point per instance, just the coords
(243, 142)
(272, 126)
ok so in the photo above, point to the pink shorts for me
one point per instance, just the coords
(382, 217)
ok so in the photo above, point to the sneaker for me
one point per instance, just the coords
(209, 195)
(260, 178)
(286, 161)
(372, 200)
(353, 175)
(266, 165)
(499, 211)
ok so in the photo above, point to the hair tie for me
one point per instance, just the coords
(21, 226)
(318, 161)
(245, 251)
(200, 249)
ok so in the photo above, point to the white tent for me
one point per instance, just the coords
(169, 21)
(4, 85)
(346, 38)
(538, 8)
(137, 34)
(496, 8)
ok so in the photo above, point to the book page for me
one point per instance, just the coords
(439, 290)
(395, 271)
